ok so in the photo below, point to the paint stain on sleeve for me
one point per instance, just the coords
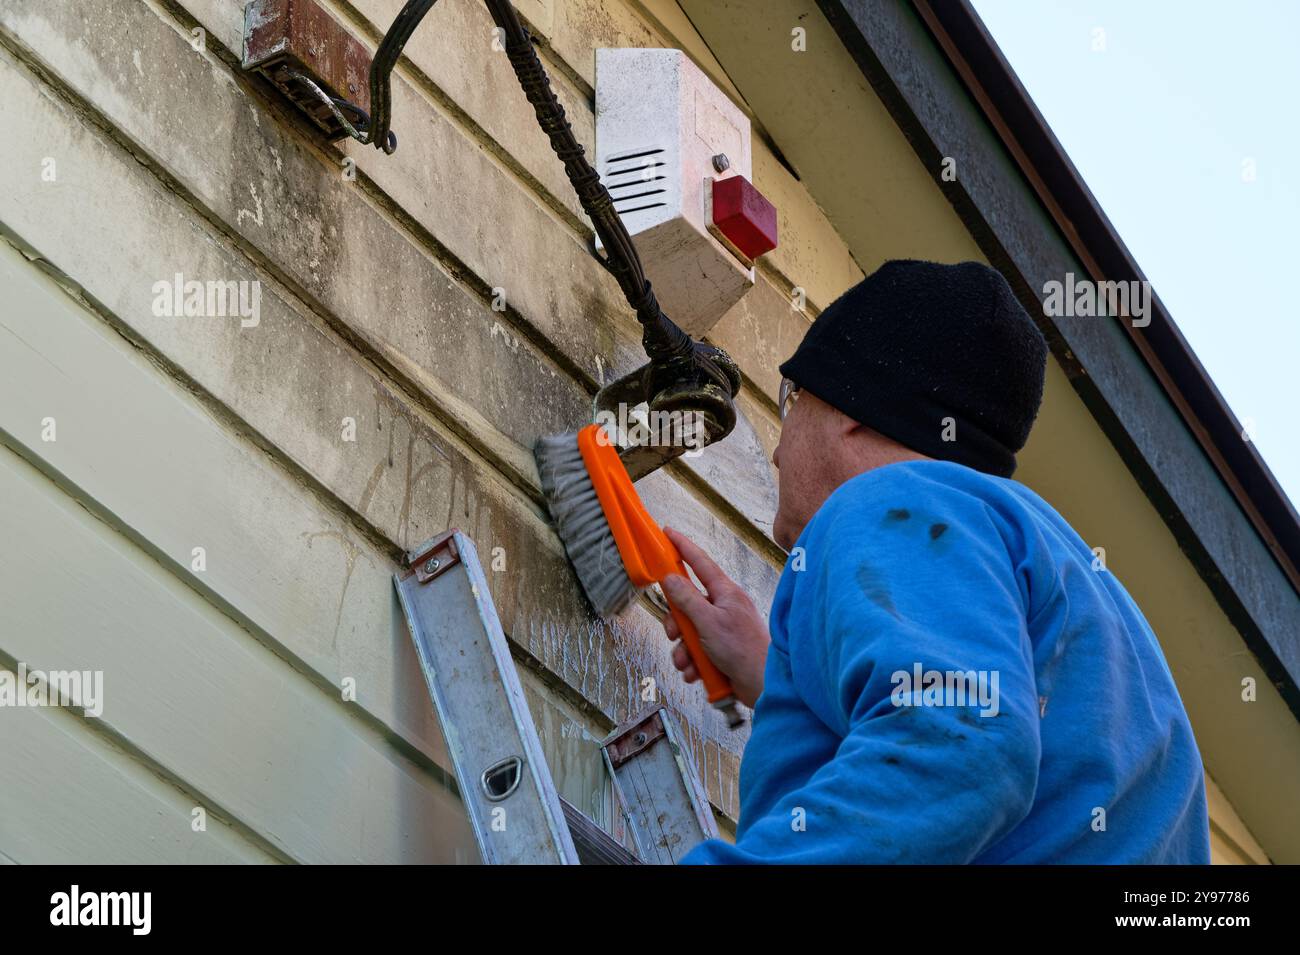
(875, 589)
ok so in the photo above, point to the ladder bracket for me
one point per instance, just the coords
(501, 773)
(493, 744)
(434, 557)
(663, 803)
(627, 743)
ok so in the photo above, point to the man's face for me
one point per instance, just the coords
(805, 458)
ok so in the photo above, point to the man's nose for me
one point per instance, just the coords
(776, 455)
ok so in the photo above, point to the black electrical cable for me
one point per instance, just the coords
(351, 117)
(381, 69)
(663, 340)
(665, 343)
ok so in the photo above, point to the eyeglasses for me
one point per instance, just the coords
(786, 397)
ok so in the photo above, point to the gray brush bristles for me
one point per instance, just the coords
(582, 525)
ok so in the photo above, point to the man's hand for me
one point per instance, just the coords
(731, 630)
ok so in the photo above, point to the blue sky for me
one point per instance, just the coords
(1165, 124)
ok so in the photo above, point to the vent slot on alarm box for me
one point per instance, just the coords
(637, 181)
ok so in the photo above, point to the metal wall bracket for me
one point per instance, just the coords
(313, 60)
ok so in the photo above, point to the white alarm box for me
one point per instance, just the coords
(665, 133)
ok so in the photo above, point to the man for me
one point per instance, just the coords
(951, 675)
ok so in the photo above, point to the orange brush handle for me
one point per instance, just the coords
(647, 553)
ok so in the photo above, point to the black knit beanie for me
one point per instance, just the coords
(915, 343)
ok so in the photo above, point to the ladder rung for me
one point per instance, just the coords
(595, 846)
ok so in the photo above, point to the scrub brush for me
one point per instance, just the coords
(615, 546)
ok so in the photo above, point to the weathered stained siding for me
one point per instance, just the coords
(223, 685)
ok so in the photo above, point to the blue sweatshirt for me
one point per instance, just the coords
(953, 677)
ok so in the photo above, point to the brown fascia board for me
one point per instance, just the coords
(953, 94)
